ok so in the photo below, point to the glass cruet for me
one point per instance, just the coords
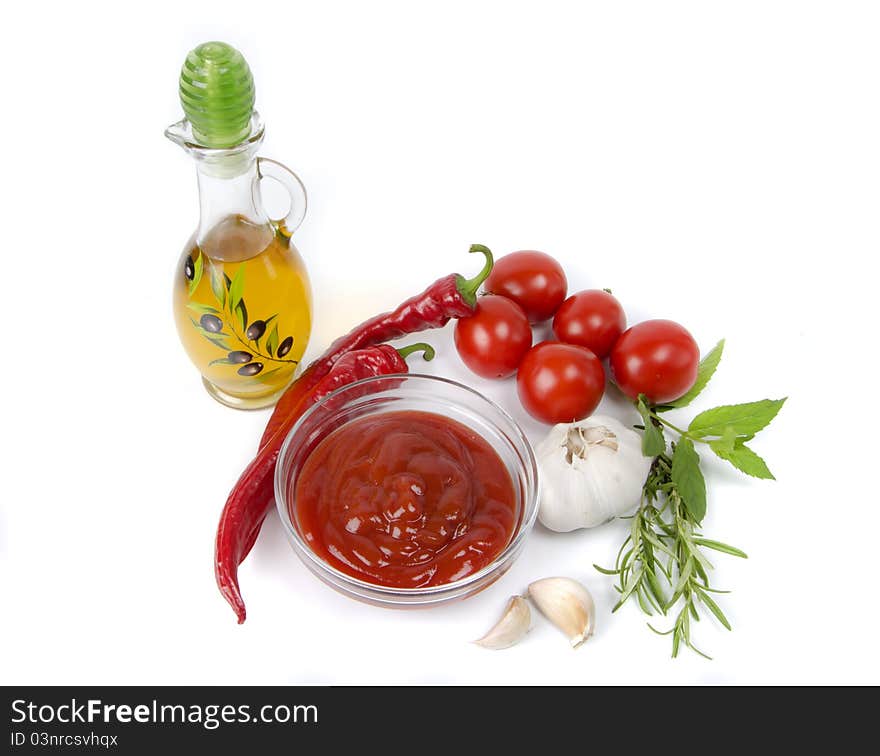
(242, 298)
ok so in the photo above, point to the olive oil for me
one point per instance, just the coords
(242, 304)
(242, 300)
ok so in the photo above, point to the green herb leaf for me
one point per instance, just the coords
(628, 588)
(693, 648)
(683, 580)
(605, 571)
(653, 442)
(688, 478)
(656, 591)
(707, 368)
(272, 340)
(713, 590)
(652, 538)
(198, 269)
(743, 419)
(665, 527)
(217, 287)
(723, 547)
(727, 442)
(643, 605)
(713, 607)
(743, 458)
(222, 361)
(236, 288)
(701, 570)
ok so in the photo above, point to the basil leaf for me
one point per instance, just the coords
(688, 478)
(743, 459)
(707, 368)
(742, 419)
(653, 442)
(727, 442)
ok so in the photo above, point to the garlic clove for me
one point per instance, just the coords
(512, 626)
(567, 604)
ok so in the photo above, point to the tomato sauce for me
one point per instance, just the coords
(405, 499)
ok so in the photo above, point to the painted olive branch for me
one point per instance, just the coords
(256, 351)
(228, 293)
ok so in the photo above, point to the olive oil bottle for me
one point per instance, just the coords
(242, 299)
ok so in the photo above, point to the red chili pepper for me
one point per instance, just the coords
(252, 497)
(452, 296)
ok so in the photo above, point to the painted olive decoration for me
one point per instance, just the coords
(239, 357)
(189, 268)
(256, 329)
(211, 323)
(252, 368)
(284, 346)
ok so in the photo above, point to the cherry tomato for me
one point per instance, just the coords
(657, 358)
(494, 339)
(535, 281)
(560, 383)
(593, 319)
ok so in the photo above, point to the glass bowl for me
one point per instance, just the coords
(425, 393)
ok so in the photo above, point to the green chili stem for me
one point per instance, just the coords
(468, 286)
(426, 349)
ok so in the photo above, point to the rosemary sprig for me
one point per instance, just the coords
(662, 561)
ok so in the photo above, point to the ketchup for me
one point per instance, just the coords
(405, 499)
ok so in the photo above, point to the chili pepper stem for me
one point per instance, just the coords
(467, 287)
(426, 349)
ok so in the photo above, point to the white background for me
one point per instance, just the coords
(714, 163)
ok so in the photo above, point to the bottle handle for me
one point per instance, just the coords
(272, 169)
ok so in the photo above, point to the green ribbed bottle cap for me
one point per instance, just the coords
(217, 94)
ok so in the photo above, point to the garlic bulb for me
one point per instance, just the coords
(591, 471)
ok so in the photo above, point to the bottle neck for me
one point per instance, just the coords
(232, 223)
